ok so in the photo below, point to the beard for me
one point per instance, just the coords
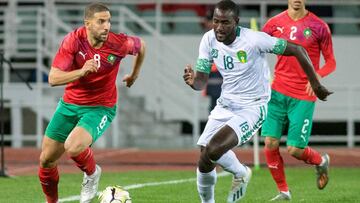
(101, 37)
(221, 37)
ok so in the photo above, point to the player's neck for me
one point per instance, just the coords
(94, 43)
(297, 14)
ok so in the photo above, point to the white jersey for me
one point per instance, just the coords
(242, 64)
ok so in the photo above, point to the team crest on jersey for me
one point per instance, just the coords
(111, 58)
(307, 33)
(242, 56)
(214, 53)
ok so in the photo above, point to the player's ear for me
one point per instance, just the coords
(237, 20)
(86, 23)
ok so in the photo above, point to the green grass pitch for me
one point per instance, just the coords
(155, 186)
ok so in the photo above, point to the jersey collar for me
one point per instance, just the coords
(238, 31)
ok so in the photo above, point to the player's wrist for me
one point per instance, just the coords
(134, 76)
(81, 73)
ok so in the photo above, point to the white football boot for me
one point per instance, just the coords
(238, 187)
(90, 186)
(322, 172)
(282, 196)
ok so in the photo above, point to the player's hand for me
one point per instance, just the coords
(90, 66)
(188, 75)
(321, 92)
(129, 80)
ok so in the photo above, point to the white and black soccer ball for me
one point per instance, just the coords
(114, 194)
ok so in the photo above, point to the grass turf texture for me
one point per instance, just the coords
(343, 186)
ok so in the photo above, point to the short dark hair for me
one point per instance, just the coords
(228, 5)
(93, 8)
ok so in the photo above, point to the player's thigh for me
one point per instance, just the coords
(300, 122)
(78, 140)
(96, 120)
(62, 123)
(51, 151)
(217, 119)
(247, 122)
(276, 117)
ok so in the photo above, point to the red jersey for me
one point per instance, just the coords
(311, 33)
(95, 89)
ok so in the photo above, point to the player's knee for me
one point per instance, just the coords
(74, 149)
(213, 152)
(46, 162)
(271, 143)
(294, 151)
(205, 164)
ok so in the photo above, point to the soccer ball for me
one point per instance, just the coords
(114, 194)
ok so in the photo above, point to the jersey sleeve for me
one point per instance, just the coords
(133, 45)
(204, 61)
(265, 43)
(268, 27)
(65, 55)
(327, 51)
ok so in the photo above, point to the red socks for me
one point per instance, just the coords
(49, 179)
(310, 156)
(85, 161)
(276, 166)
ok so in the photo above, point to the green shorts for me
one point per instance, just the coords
(283, 110)
(94, 119)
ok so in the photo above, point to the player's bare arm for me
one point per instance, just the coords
(308, 87)
(197, 80)
(328, 68)
(300, 53)
(58, 77)
(138, 60)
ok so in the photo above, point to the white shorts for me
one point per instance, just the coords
(245, 121)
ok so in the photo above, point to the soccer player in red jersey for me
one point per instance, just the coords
(292, 99)
(87, 62)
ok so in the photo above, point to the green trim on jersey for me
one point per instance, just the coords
(203, 65)
(279, 47)
(238, 31)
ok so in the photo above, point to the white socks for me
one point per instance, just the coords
(206, 185)
(230, 163)
(206, 181)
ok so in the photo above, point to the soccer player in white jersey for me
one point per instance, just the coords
(239, 55)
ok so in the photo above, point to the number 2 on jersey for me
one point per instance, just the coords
(293, 31)
(97, 59)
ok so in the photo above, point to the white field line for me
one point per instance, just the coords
(136, 186)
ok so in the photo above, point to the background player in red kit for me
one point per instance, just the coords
(292, 99)
(87, 62)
